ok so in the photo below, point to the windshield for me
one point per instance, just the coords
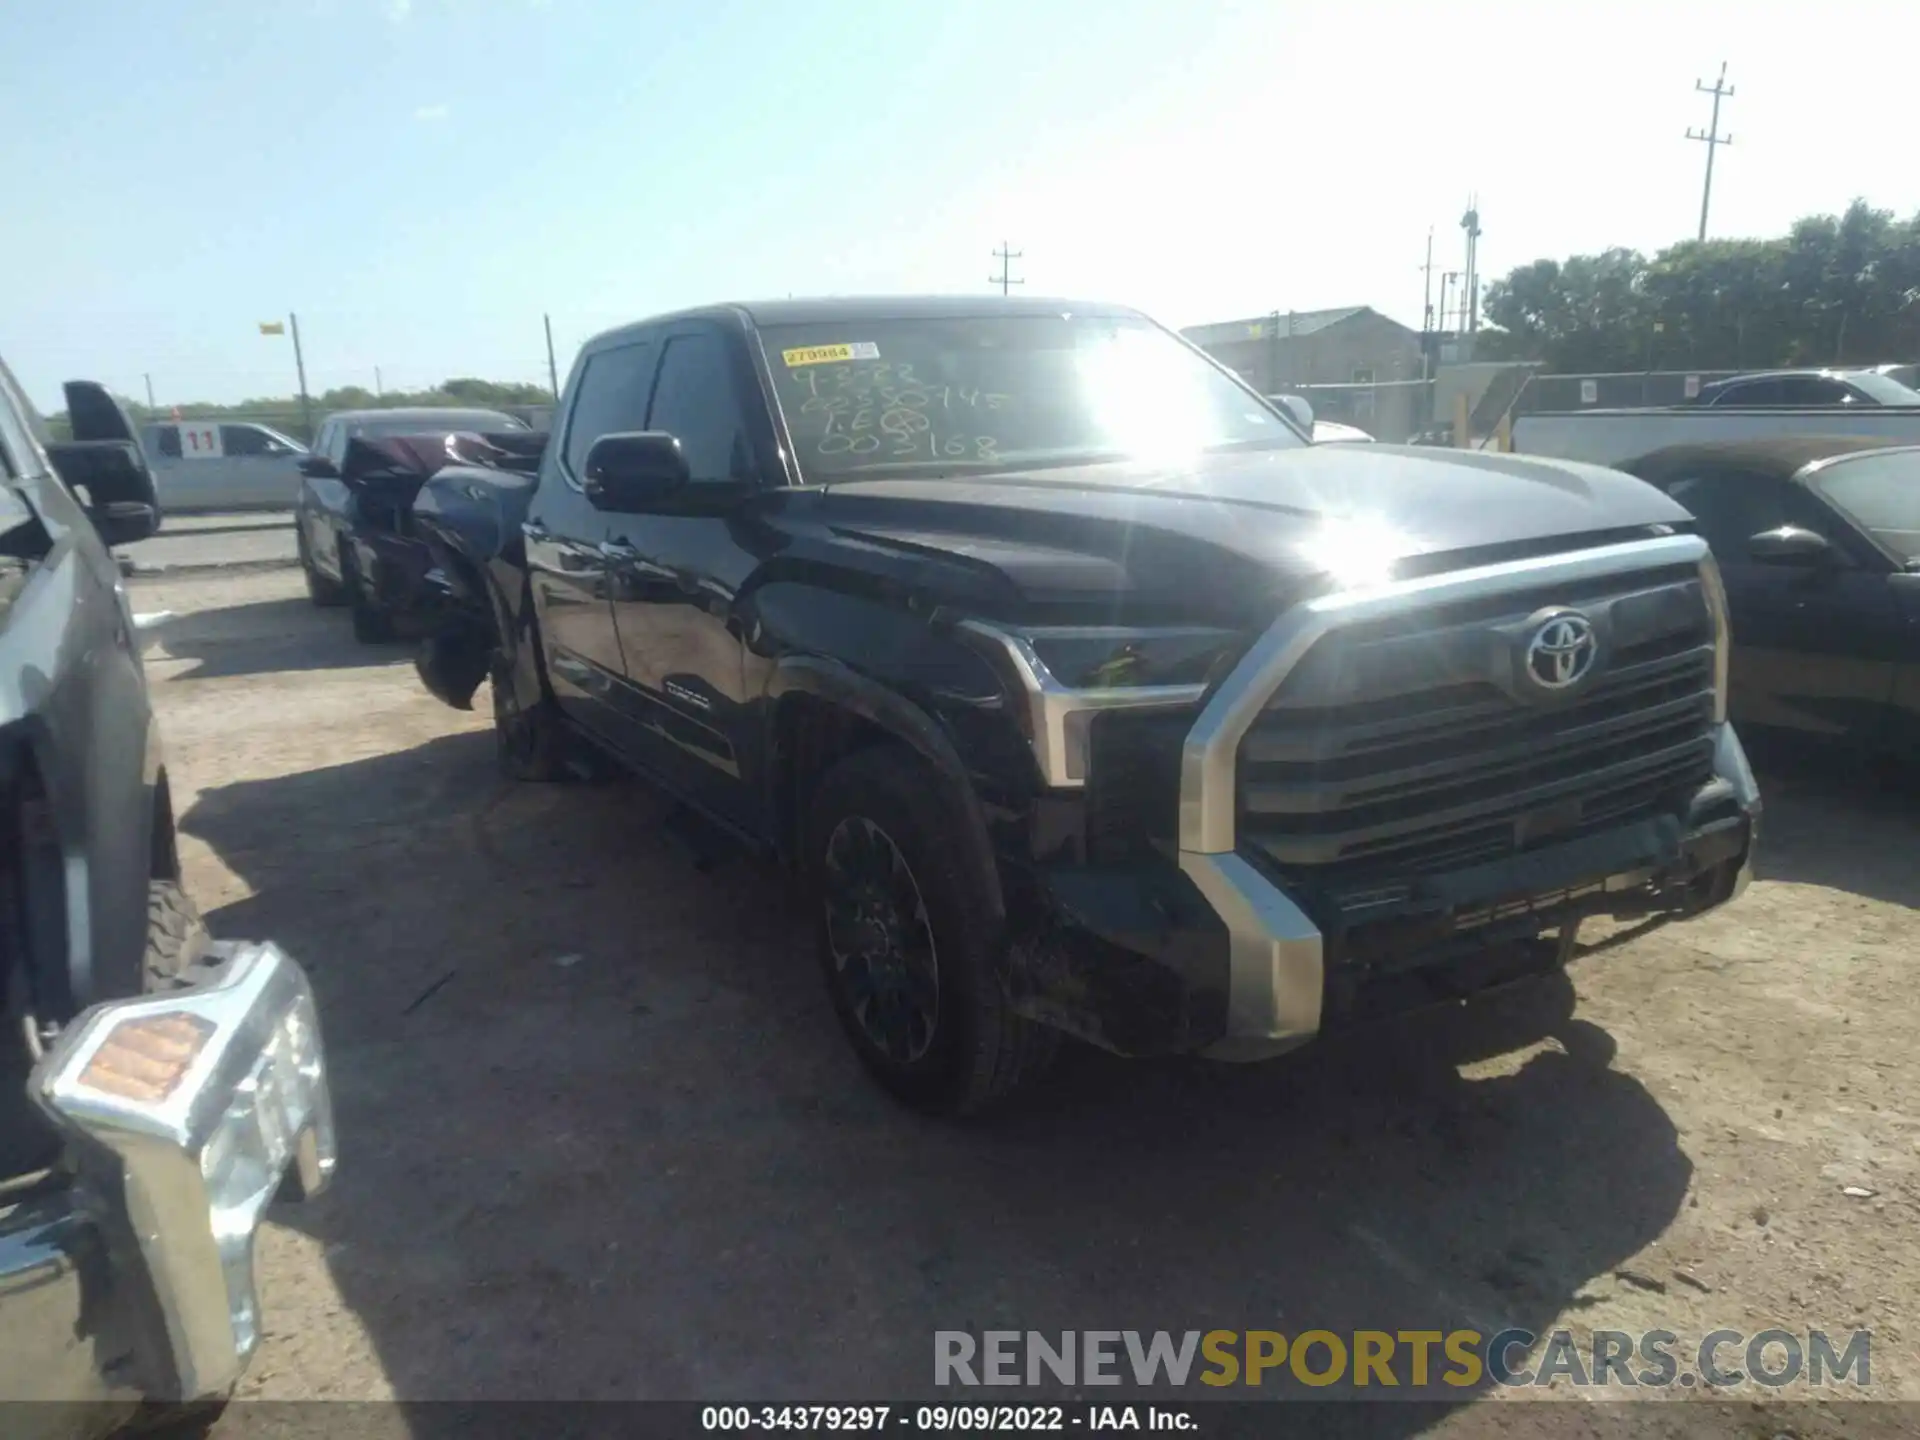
(1883, 389)
(1879, 492)
(974, 395)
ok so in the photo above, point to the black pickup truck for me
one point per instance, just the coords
(1084, 694)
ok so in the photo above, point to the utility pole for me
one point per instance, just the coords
(1712, 139)
(1470, 299)
(300, 368)
(150, 405)
(1272, 387)
(1006, 258)
(553, 372)
(1427, 338)
(1426, 311)
(378, 388)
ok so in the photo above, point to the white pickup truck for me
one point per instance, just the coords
(1748, 407)
(222, 465)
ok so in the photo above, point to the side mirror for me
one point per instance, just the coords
(317, 466)
(121, 522)
(1792, 545)
(1297, 408)
(93, 413)
(635, 471)
(113, 474)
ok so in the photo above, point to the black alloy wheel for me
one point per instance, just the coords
(881, 940)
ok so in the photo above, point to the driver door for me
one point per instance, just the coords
(1813, 644)
(674, 577)
(567, 566)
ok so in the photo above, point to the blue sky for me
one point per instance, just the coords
(421, 179)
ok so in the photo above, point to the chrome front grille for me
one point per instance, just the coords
(1404, 744)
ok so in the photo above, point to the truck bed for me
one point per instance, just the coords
(1617, 437)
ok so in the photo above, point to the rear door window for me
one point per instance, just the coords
(1752, 392)
(1815, 390)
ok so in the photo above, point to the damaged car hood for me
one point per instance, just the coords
(1236, 531)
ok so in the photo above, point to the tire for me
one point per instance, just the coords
(324, 593)
(910, 967)
(371, 624)
(177, 937)
(530, 739)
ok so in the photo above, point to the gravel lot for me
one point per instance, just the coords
(601, 1137)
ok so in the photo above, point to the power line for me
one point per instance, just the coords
(1006, 258)
(1713, 139)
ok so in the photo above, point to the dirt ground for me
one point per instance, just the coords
(601, 1137)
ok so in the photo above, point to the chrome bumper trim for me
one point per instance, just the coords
(1730, 764)
(150, 1152)
(1274, 979)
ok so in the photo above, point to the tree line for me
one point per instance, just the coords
(1834, 290)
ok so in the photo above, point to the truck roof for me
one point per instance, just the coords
(417, 412)
(855, 308)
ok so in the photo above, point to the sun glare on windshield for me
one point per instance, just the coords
(1144, 399)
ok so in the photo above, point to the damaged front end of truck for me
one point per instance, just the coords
(468, 516)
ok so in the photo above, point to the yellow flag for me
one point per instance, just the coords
(273, 327)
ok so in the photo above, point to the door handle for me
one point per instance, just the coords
(618, 551)
(534, 530)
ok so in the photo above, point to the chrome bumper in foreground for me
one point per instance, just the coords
(195, 1108)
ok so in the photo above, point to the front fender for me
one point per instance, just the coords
(836, 683)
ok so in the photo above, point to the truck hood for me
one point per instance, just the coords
(1234, 533)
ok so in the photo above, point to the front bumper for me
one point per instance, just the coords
(1214, 955)
(187, 1113)
(1209, 949)
(396, 566)
(1287, 979)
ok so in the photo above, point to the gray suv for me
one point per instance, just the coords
(157, 1089)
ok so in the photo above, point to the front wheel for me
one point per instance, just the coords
(371, 624)
(323, 592)
(909, 959)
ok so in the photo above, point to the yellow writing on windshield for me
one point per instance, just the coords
(827, 354)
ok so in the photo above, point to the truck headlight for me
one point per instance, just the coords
(1069, 673)
(196, 1107)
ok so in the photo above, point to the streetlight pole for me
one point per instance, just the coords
(300, 368)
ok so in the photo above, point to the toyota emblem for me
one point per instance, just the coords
(1561, 651)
